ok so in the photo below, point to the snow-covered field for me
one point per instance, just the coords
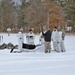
(38, 62)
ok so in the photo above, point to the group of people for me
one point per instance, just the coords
(56, 36)
(29, 39)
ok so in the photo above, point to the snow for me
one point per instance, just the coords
(38, 62)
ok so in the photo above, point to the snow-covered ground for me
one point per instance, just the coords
(38, 62)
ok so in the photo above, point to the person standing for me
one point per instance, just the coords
(62, 41)
(41, 39)
(47, 38)
(31, 37)
(0, 39)
(58, 37)
(53, 38)
(20, 40)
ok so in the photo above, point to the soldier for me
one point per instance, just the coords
(31, 37)
(20, 40)
(58, 38)
(62, 41)
(41, 38)
(47, 38)
(0, 38)
(53, 38)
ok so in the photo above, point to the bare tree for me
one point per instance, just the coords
(7, 13)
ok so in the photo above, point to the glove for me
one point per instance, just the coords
(57, 42)
(40, 39)
(20, 38)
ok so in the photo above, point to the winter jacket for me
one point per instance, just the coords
(31, 38)
(58, 36)
(20, 41)
(20, 36)
(53, 36)
(47, 36)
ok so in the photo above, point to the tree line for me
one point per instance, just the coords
(34, 13)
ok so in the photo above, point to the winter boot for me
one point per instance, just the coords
(46, 51)
(49, 50)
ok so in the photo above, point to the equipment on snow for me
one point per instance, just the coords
(25, 46)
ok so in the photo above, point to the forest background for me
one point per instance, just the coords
(26, 14)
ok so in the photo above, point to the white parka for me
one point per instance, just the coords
(53, 37)
(58, 36)
(20, 40)
(31, 38)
